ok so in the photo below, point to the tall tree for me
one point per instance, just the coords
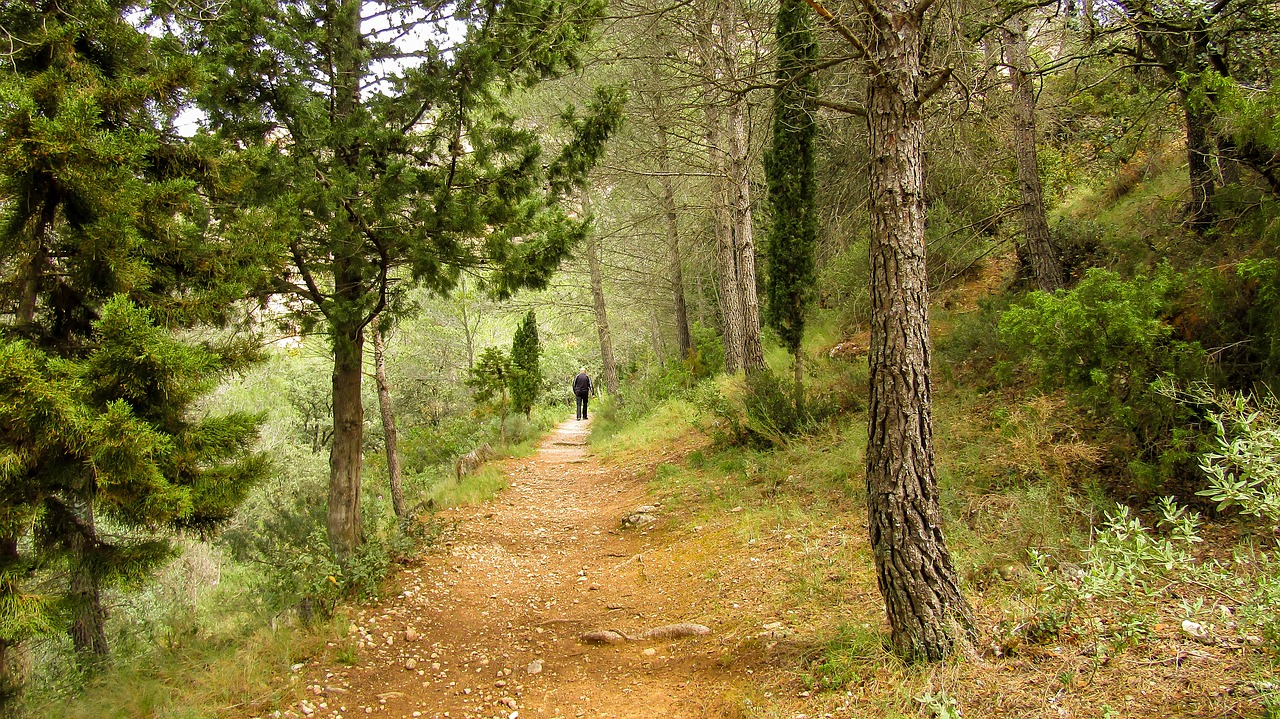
(389, 433)
(789, 167)
(671, 220)
(719, 45)
(384, 144)
(1188, 40)
(526, 371)
(597, 301)
(107, 241)
(1035, 228)
(928, 616)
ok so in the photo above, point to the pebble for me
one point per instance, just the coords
(535, 667)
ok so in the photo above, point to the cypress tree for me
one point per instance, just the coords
(789, 168)
(107, 241)
(382, 165)
(526, 376)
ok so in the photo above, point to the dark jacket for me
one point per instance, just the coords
(582, 384)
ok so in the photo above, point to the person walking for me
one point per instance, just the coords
(582, 390)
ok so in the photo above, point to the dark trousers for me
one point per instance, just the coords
(582, 405)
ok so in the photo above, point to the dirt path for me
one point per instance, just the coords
(487, 625)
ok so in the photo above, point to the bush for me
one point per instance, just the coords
(1107, 342)
(1242, 467)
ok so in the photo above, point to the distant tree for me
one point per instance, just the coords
(387, 159)
(526, 372)
(108, 240)
(491, 380)
(789, 167)
(390, 435)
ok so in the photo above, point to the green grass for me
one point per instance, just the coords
(667, 422)
(480, 486)
(211, 675)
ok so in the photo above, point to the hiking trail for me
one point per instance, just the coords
(487, 623)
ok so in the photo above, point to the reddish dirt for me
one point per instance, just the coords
(514, 582)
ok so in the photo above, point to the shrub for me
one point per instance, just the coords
(1107, 342)
(1242, 468)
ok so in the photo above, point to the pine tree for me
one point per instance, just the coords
(381, 163)
(526, 375)
(789, 167)
(106, 241)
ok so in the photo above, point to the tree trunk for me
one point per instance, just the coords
(928, 615)
(502, 419)
(1035, 228)
(13, 665)
(744, 248)
(345, 456)
(597, 299)
(798, 357)
(388, 421)
(346, 320)
(89, 617)
(739, 191)
(727, 284)
(467, 333)
(1200, 150)
(676, 273)
(728, 288)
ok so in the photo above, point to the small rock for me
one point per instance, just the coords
(410, 634)
(1195, 630)
(411, 663)
(772, 626)
(508, 702)
(649, 652)
(535, 667)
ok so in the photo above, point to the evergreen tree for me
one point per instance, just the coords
(491, 380)
(789, 167)
(107, 240)
(526, 376)
(381, 162)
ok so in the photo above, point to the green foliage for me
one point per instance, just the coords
(789, 166)
(526, 372)
(1242, 467)
(126, 451)
(1108, 341)
(492, 378)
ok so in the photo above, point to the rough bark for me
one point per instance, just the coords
(597, 299)
(738, 167)
(346, 318)
(674, 270)
(89, 617)
(1200, 151)
(388, 421)
(728, 292)
(1037, 248)
(345, 458)
(927, 613)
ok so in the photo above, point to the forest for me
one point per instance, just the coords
(931, 345)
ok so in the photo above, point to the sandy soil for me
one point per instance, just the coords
(487, 624)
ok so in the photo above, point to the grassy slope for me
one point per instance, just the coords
(1015, 472)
